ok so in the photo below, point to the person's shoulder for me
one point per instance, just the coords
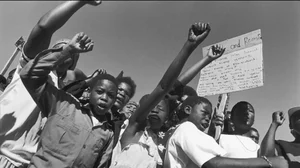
(186, 128)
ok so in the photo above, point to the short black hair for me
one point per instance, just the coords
(128, 80)
(187, 90)
(191, 101)
(104, 76)
(240, 106)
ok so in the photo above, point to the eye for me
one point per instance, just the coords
(99, 91)
(111, 95)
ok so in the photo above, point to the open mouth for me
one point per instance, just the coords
(102, 106)
(119, 100)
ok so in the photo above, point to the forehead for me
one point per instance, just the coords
(131, 105)
(105, 83)
(203, 106)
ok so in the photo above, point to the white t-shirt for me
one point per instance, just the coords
(190, 147)
(20, 121)
(238, 146)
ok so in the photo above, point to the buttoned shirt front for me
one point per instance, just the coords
(72, 137)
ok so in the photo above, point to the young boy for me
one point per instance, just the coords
(238, 144)
(190, 147)
(140, 139)
(21, 134)
(74, 135)
(289, 150)
(253, 134)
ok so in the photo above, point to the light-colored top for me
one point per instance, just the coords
(190, 147)
(117, 149)
(21, 121)
(238, 146)
(140, 154)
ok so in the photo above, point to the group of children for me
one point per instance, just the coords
(53, 115)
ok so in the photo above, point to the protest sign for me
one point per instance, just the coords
(240, 67)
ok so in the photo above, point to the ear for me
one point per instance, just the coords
(188, 109)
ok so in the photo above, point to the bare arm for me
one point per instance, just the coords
(167, 81)
(267, 147)
(221, 162)
(40, 36)
(188, 75)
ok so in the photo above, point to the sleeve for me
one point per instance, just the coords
(35, 75)
(198, 146)
(76, 88)
(105, 158)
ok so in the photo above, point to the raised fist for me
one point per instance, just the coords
(198, 32)
(278, 118)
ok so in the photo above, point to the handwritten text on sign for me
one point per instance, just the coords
(240, 68)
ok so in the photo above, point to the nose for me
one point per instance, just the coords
(154, 110)
(104, 97)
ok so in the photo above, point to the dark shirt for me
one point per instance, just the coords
(72, 137)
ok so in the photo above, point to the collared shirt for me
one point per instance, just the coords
(71, 137)
(190, 147)
(141, 153)
(238, 146)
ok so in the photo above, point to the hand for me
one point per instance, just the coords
(215, 52)
(81, 43)
(198, 32)
(93, 2)
(96, 73)
(278, 118)
(219, 119)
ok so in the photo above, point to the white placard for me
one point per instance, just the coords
(240, 68)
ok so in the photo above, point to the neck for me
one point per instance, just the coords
(240, 131)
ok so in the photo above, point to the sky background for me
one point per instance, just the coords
(142, 38)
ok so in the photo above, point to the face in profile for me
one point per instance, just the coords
(103, 95)
(243, 115)
(201, 115)
(123, 96)
(158, 115)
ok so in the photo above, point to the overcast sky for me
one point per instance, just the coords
(142, 38)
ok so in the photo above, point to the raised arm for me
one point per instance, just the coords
(267, 147)
(35, 74)
(214, 52)
(197, 33)
(40, 36)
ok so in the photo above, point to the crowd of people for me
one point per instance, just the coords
(54, 115)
